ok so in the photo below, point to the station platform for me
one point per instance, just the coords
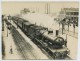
(10, 43)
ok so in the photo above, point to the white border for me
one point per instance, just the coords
(40, 0)
(0, 34)
(78, 55)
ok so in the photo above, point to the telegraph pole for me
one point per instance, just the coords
(47, 8)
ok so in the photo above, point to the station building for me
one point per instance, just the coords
(71, 14)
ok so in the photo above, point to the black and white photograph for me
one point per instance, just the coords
(40, 30)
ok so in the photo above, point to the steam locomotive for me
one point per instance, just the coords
(56, 47)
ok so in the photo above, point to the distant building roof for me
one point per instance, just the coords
(70, 9)
(64, 10)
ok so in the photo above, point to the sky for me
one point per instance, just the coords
(15, 6)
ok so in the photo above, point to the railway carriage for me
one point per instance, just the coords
(54, 45)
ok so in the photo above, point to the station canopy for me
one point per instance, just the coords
(40, 19)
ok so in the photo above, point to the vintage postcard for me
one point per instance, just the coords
(40, 30)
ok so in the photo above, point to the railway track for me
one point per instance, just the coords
(23, 42)
(23, 46)
(17, 44)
